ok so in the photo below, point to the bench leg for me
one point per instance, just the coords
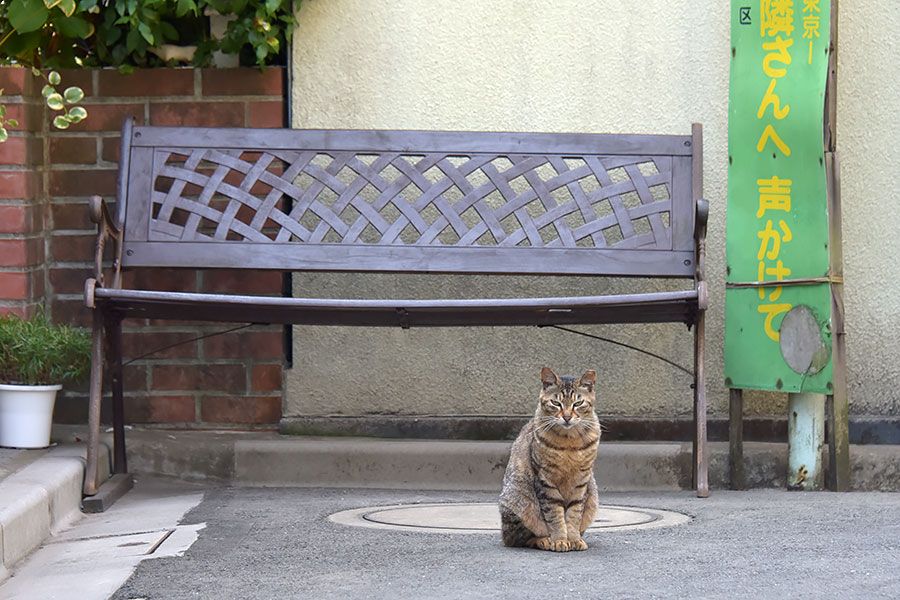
(114, 341)
(96, 391)
(701, 458)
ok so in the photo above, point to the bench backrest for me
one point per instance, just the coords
(479, 202)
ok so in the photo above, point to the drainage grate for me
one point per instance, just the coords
(484, 517)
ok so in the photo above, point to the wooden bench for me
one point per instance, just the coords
(400, 201)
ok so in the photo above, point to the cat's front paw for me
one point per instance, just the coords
(578, 545)
(545, 543)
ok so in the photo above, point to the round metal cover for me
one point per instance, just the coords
(801, 341)
(483, 517)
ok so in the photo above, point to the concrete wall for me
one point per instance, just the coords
(595, 66)
(868, 135)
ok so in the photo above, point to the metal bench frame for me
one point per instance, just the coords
(400, 201)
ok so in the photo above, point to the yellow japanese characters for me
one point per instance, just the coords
(811, 23)
(776, 30)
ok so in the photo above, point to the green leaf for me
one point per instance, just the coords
(12, 122)
(74, 27)
(168, 31)
(77, 114)
(66, 6)
(54, 78)
(3, 135)
(61, 122)
(55, 101)
(2, 108)
(73, 94)
(132, 41)
(47, 90)
(27, 15)
(272, 5)
(184, 7)
(146, 33)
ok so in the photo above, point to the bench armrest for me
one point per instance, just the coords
(700, 236)
(106, 230)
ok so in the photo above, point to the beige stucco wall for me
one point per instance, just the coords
(571, 65)
(869, 142)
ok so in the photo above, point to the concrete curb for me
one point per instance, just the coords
(40, 499)
(266, 459)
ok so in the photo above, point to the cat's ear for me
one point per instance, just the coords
(548, 378)
(587, 380)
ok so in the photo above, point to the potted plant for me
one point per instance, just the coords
(36, 358)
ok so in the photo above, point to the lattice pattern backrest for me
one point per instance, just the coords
(407, 198)
(340, 200)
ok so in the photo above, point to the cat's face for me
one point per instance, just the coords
(566, 401)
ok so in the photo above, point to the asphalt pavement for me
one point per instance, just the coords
(259, 543)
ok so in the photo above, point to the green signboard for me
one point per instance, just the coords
(778, 295)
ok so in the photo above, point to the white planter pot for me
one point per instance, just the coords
(26, 415)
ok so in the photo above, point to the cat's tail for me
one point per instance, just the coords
(513, 530)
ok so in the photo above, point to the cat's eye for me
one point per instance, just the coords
(577, 403)
(556, 403)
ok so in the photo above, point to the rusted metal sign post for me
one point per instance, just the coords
(783, 313)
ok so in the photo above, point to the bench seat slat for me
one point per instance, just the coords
(680, 305)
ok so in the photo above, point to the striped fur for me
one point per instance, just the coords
(549, 493)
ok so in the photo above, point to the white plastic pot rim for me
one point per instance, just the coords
(37, 388)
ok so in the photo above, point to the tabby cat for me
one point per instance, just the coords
(549, 493)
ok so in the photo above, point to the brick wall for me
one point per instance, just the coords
(46, 240)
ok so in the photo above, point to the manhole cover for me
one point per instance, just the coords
(484, 517)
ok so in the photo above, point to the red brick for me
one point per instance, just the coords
(257, 344)
(18, 184)
(110, 148)
(29, 115)
(15, 218)
(72, 311)
(72, 248)
(243, 82)
(160, 409)
(21, 252)
(36, 283)
(73, 150)
(24, 150)
(12, 253)
(83, 182)
(198, 114)
(266, 114)
(134, 377)
(170, 280)
(266, 378)
(20, 311)
(69, 280)
(225, 281)
(146, 82)
(108, 117)
(13, 152)
(73, 215)
(203, 377)
(14, 285)
(82, 78)
(240, 409)
(138, 343)
(16, 80)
